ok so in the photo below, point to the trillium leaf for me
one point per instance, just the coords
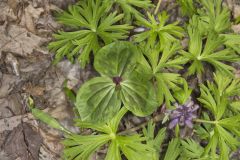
(138, 97)
(97, 100)
(116, 59)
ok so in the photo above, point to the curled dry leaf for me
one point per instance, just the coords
(31, 15)
(11, 60)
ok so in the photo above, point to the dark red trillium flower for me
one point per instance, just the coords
(117, 80)
(183, 115)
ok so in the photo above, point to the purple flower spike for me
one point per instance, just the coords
(173, 123)
(183, 115)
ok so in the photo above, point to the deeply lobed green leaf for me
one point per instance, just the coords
(94, 27)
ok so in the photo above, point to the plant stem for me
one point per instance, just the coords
(205, 121)
(155, 119)
(157, 8)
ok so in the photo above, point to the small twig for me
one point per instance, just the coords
(157, 8)
(155, 119)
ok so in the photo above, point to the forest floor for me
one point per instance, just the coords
(26, 28)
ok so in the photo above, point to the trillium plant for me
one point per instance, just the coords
(188, 95)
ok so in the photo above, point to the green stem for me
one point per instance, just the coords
(205, 121)
(157, 8)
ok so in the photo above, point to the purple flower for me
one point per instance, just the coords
(183, 115)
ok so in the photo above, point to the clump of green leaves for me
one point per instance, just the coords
(157, 30)
(104, 95)
(208, 50)
(160, 65)
(216, 97)
(134, 146)
(94, 27)
(214, 16)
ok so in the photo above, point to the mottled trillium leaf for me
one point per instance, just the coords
(117, 59)
(97, 100)
(138, 97)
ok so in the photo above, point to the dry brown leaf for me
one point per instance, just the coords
(8, 83)
(7, 12)
(31, 15)
(8, 124)
(19, 41)
(23, 143)
(33, 90)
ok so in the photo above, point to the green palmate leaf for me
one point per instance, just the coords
(183, 95)
(97, 100)
(191, 150)
(208, 53)
(130, 7)
(225, 133)
(222, 138)
(212, 146)
(173, 150)
(226, 137)
(83, 147)
(235, 106)
(154, 141)
(232, 41)
(187, 7)
(167, 82)
(108, 127)
(215, 16)
(158, 30)
(156, 64)
(133, 148)
(227, 86)
(116, 59)
(232, 124)
(213, 101)
(92, 27)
